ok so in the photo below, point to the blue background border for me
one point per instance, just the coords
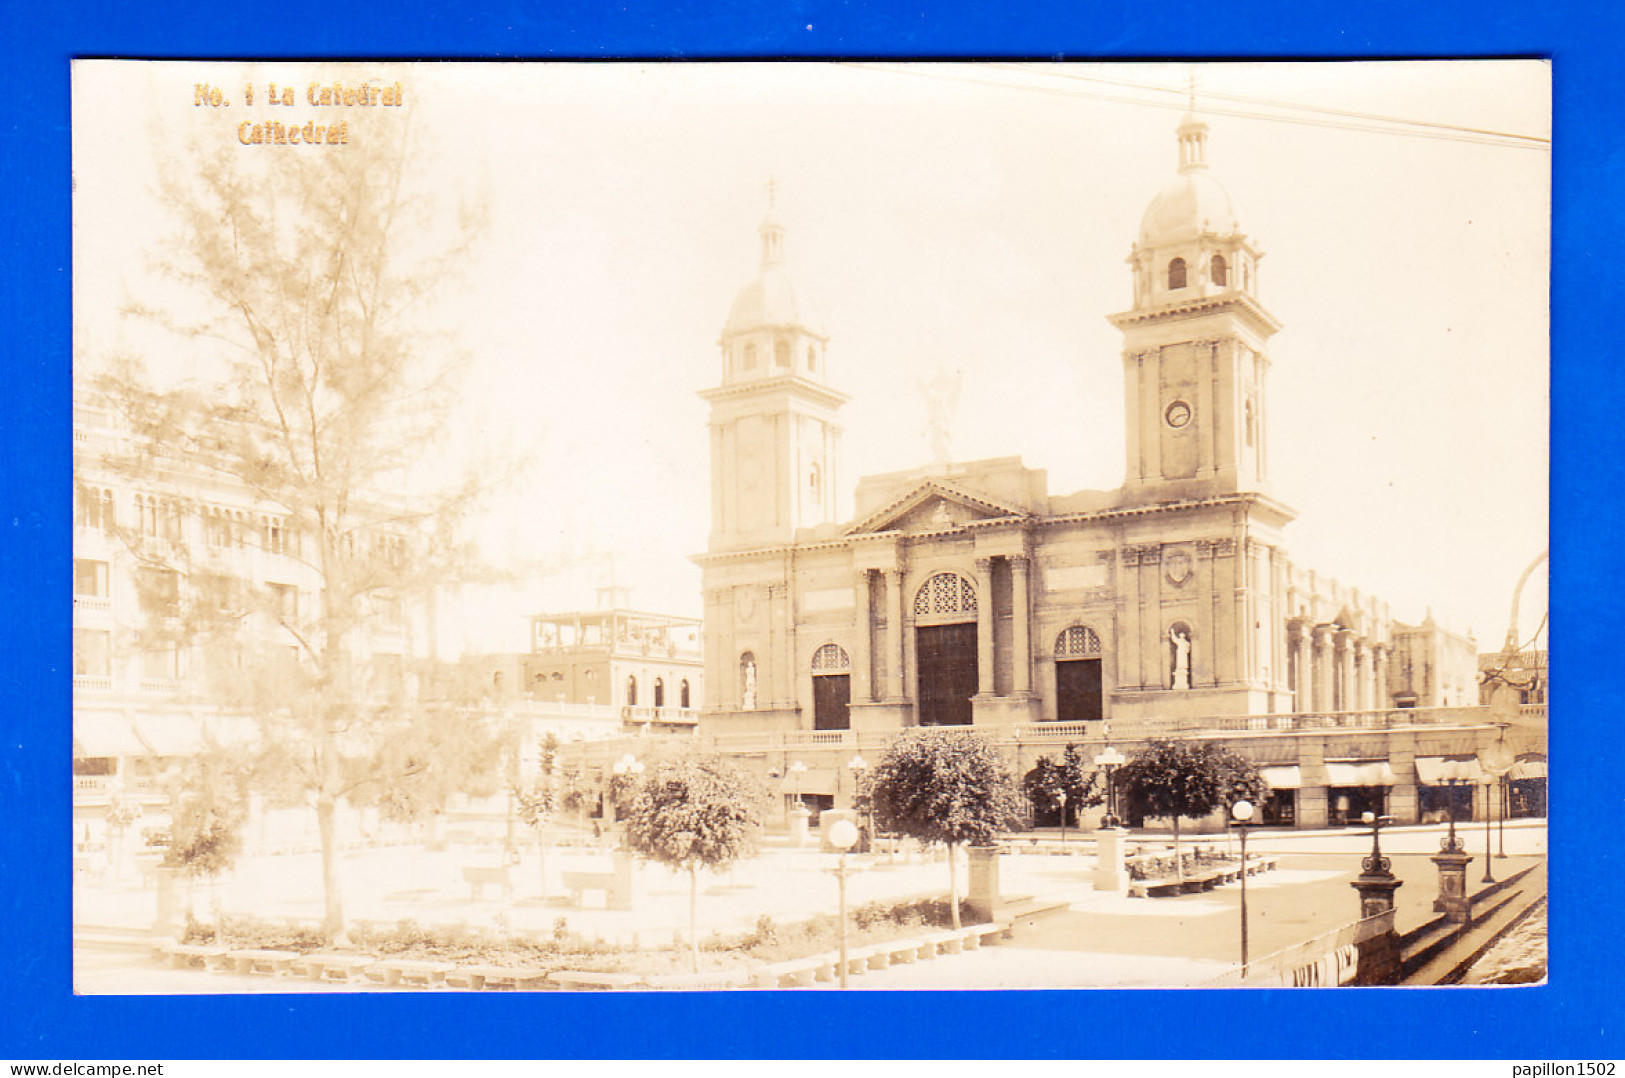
(1572, 1018)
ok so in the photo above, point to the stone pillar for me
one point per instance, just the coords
(1110, 872)
(1322, 660)
(1345, 669)
(1453, 900)
(166, 921)
(894, 635)
(982, 895)
(1403, 803)
(1362, 674)
(1312, 794)
(862, 628)
(1021, 650)
(799, 828)
(1297, 634)
(1378, 944)
(620, 896)
(984, 626)
(1379, 677)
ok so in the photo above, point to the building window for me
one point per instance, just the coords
(284, 600)
(750, 357)
(92, 653)
(660, 692)
(747, 681)
(93, 508)
(781, 353)
(682, 694)
(1176, 273)
(160, 591)
(830, 659)
(90, 578)
(631, 690)
(1221, 271)
(945, 594)
(1078, 642)
(812, 358)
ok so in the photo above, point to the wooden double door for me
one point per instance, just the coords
(946, 662)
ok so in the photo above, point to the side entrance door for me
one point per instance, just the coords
(947, 665)
(832, 695)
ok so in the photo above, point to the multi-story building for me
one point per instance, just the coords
(968, 594)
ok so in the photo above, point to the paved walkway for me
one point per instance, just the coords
(1082, 937)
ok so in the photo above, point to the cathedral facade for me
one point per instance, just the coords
(967, 593)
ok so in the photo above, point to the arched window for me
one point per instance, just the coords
(750, 356)
(781, 353)
(1176, 273)
(945, 595)
(631, 690)
(1221, 271)
(747, 681)
(812, 358)
(831, 659)
(682, 694)
(660, 692)
(1078, 642)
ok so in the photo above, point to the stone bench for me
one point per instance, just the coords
(578, 882)
(496, 978)
(478, 877)
(796, 973)
(334, 967)
(1154, 888)
(189, 955)
(581, 981)
(270, 963)
(717, 980)
(419, 973)
(943, 942)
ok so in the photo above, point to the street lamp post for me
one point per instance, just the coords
(842, 835)
(1489, 851)
(1060, 795)
(1242, 814)
(858, 766)
(1109, 759)
(796, 769)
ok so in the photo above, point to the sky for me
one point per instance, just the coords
(963, 218)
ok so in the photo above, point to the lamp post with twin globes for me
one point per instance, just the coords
(1241, 814)
(843, 835)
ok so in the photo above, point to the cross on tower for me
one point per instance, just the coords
(772, 191)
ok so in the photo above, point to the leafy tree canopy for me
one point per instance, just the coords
(695, 812)
(945, 787)
(1171, 779)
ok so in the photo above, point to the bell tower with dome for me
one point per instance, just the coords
(774, 436)
(1195, 363)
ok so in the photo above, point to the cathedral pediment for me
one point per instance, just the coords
(935, 505)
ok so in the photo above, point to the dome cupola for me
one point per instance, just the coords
(772, 328)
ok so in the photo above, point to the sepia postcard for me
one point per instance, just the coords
(809, 526)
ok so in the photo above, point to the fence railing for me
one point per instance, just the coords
(1326, 961)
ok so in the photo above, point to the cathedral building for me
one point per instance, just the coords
(968, 593)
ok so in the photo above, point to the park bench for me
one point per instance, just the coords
(417, 972)
(1154, 888)
(478, 877)
(796, 972)
(188, 955)
(577, 882)
(901, 952)
(334, 967)
(497, 978)
(271, 963)
(716, 980)
(576, 980)
(943, 942)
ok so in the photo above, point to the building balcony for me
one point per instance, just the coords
(92, 683)
(92, 604)
(665, 716)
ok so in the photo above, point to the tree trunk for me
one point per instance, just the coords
(333, 901)
(693, 917)
(1179, 864)
(953, 886)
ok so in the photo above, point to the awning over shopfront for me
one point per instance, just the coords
(1443, 770)
(105, 734)
(169, 734)
(1282, 778)
(1530, 767)
(1359, 773)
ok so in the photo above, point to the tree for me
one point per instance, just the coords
(693, 813)
(1172, 779)
(1049, 779)
(207, 813)
(310, 279)
(537, 800)
(945, 787)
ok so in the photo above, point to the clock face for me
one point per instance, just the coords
(1178, 414)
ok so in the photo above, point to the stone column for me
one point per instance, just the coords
(1021, 651)
(1345, 669)
(894, 634)
(862, 628)
(1362, 674)
(984, 626)
(1321, 658)
(1110, 872)
(1453, 900)
(1379, 677)
(1298, 655)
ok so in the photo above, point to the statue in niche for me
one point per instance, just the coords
(1179, 646)
(750, 685)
